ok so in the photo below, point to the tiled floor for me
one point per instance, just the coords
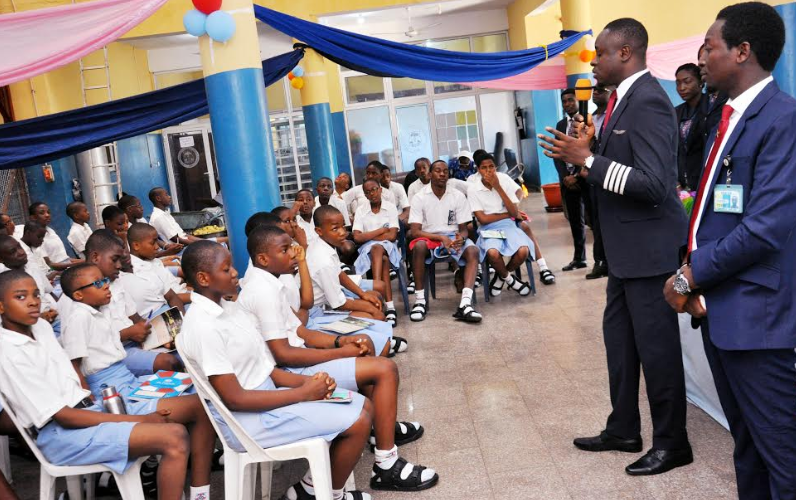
(501, 401)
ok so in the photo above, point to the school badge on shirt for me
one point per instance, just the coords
(451, 218)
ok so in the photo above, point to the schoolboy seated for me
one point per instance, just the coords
(326, 196)
(438, 223)
(424, 177)
(7, 225)
(116, 220)
(31, 240)
(40, 384)
(80, 230)
(493, 201)
(162, 220)
(152, 287)
(97, 354)
(275, 407)
(105, 250)
(52, 247)
(397, 190)
(131, 206)
(355, 197)
(13, 257)
(343, 357)
(376, 230)
(301, 212)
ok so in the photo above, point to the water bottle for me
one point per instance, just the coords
(112, 402)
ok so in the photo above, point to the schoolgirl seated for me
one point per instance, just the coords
(355, 197)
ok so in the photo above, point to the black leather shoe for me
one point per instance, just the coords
(606, 442)
(600, 270)
(660, 461)
(575, 264)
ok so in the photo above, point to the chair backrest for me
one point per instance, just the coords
(24, 432)
(207, 393)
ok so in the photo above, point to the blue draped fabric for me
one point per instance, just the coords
(38, 140)
(379, 57)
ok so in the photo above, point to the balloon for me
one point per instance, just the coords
(220, 26)
(297, 83)
(207, 6)
(194, 22)
(291, 76)
(298, 71)
(590, 43)
(586, 55)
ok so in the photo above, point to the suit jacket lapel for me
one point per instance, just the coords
(617, 112)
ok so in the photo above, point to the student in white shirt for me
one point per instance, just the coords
(326, 196)
(7, 225)
(39, 383)
(162, 220)
(97, 354)
(355, 197)
(13, 256)
(288, 223)
(80, 230)
(423, 172)
(376, 230)
(494, 203)
(224, 346)
(303, 208)
(32, 239)
(401, 200)
(307, 352)
(438, 222)
(152, 287)
(132, 208)
(52, 248)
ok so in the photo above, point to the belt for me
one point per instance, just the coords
(82, 405)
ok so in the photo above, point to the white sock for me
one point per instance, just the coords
(344, 495)
(542, 264)
(467, 297)
(390, 305)
(386, 459)
(509, 279)
(420, 296)
(200, 492)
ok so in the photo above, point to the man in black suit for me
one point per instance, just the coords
(643, 225)
(573, 188)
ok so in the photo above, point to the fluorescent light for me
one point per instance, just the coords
(360, 19)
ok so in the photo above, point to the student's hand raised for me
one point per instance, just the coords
(317, 386)
(297, 252)
(157, 417)
(49, 315)
(301, 235)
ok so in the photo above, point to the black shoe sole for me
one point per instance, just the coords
(596, 276)
(600, 448)
(424, 486)
(661, 470)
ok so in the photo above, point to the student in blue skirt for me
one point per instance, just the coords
(97, 355)
(275, 407)
(38, 382)
(493, 201)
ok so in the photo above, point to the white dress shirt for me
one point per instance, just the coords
(337, 203)
(78, 236)
(415, 188)
(142, 220)
(487, 200)
(440, 215)
(366, 220)
(266, 300)
(324, 265)
(36, 377)
(88, 334)
(292, 284)
(623, 87)
(401, 199)
(166, 226)
(355, 198)
(308, 227)
(35, 257)
(52, 247)
(120, 308)
(148, 284)
(221, 340)
(739, 105)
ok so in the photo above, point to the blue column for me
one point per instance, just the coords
(785, 71)
(320, 140)
(546, 113)
(244, 151)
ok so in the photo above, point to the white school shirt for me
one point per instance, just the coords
(367, 221)
(35, 257)
(440, 215)
(292, 284)
(120, 308)
(78, 236)
(148, 284)
(89, 334)
(43, 284)
(265, 299)
(36, 377)
(53, 247)
(308, 227)
(488, 200)
(739, 105)
(324, 265)
(355, 198)
(415, 188)
(142, 220)
(164, 223)
(221, 339)
(401, 200)
(337, 203)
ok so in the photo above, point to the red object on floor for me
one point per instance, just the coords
(552, 195)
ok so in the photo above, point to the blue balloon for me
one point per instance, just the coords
(220, 26)
(194, 22)
(298, 71)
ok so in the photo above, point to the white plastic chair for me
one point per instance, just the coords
(239, 481)
(5, 458)
(129, 483)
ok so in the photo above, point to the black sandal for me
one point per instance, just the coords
(524, 289)
(495, 290)
(468, 314)
(391, 317)
(418, 312)
(401, 438)
(391, 479)
(547, 277)
(301, 494)
(401, 345)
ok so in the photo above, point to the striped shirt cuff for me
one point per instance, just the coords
(616, 178)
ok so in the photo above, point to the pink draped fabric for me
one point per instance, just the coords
(662, 60)
(38, 41)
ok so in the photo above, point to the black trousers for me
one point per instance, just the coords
(641, 332)
(757, 390)
(590, 202)
(574, 200)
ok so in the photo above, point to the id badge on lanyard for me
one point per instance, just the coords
(728, 197)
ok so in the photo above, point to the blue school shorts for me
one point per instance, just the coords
(139, 361)
(365, 285)
(125, 382)
(380, 333)
(343, 371)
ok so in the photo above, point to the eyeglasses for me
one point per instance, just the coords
(96, 284)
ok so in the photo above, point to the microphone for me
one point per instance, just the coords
(583, 94)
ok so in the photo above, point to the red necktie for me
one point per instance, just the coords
(726, 111)
(608, 110)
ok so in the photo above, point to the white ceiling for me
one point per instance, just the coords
(424, 13)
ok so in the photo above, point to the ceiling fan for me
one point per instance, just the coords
(412, 31)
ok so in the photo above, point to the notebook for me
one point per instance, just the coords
(494, 234)
(338, 396)
(165, 328)
(346, 325)
(163, 384)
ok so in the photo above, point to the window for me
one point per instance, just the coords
(408, 87)
(455, 44)
(490, 43)
(457, 126)
(364, 88)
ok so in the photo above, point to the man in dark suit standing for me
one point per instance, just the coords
(573, 189)
(643, 225)
(740, 274)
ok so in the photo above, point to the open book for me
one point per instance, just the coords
(165, 328)
(493, 234)
(346, 325)
(163, 384)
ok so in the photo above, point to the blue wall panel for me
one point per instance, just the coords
(546, 113)
(143, 166)
(57, 195)
(341, 143)
(528, 154)
(785, 71)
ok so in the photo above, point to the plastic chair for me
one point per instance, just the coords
(5, 458)
(431, 279)
(239, 478)
(129, 483)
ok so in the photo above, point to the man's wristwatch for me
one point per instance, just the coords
(589, 161)
(681, 284)
(337, 342)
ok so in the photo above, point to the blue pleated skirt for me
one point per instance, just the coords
(363, 265)
(515, 239)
